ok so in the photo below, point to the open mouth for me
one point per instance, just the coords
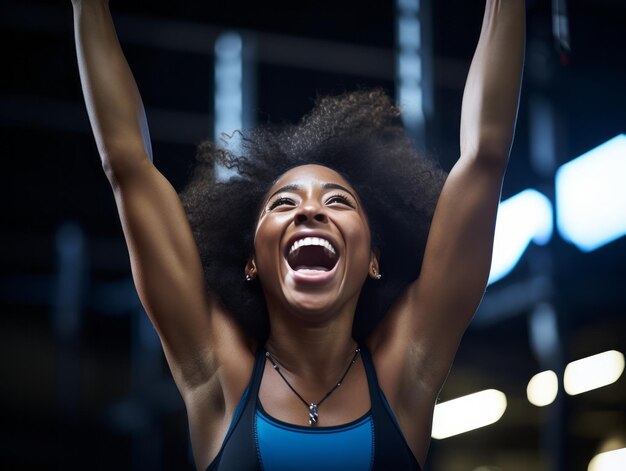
(312, 254)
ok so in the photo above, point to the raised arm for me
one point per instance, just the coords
(491, 94)
(116, 113)
(435, 310)
(164, 258)
(458, 253)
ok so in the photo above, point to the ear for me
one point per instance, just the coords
(250, 269)
(374, 270)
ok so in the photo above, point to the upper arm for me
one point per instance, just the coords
(197, 336)
(457, 258)
(168, 274)
(429, 319)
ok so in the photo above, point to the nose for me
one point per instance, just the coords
(311, 211)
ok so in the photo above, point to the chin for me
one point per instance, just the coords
(314, 308)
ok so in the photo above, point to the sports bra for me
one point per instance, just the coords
(258, 442)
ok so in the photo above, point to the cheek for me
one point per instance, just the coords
(265, 232)
(267, 240)
(362, 228)
(358, 236)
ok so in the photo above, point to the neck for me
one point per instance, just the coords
(312, 351)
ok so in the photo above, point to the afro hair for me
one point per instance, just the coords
(357, 134)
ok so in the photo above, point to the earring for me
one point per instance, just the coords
(248, 277)
(377, 275)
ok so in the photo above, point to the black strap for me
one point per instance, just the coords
(239, 451)
(390, 448)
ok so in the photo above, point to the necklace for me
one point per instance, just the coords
(313, 414)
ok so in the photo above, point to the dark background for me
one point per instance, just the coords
(84, 383)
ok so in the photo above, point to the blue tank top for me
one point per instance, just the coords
(257, 441)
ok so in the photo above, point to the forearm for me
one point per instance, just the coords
(113, 102)
(491, 95)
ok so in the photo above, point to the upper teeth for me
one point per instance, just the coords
(312, 241)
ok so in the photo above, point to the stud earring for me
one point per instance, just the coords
(377, 275)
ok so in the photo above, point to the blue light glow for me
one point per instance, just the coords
(228, 93)
(409, 65)
(522, 218)
(228, 84)
(409, 31)
(591, 196)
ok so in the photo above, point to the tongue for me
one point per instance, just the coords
(313, 258)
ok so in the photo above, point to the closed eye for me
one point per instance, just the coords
(341, 199)
(281, 202)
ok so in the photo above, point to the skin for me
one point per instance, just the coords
(210, 358)
(325, 212)
(308, 316)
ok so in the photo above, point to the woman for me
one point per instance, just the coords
(268, 310)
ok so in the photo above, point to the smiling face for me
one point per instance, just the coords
(312, 244)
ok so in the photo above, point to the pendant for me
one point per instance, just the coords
(312, 414)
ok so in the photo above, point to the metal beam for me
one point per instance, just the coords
(274, 49)
(178, 127)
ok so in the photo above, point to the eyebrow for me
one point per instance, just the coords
(325, 186)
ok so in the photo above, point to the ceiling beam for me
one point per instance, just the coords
(198, 38)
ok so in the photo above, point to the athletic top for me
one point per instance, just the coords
(258, 442)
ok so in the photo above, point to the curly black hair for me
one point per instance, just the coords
(360, 136)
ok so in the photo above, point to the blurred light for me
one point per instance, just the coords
(543, 388)
(468, 413)
(409, 30)
(609, 461)
(544, 331)
(542, 134)
(412, 101)
(591, 196)
(228, 93)
(593, 372)
(522, 218)
(409, 66)
(409, 6)
(228, 84)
